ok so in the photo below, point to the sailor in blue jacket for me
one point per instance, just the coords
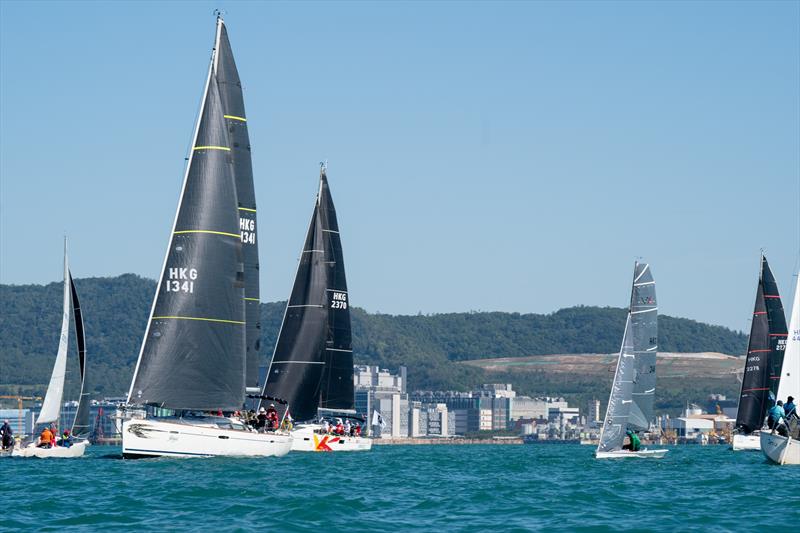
(776, 416)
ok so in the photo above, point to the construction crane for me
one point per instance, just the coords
(20, 399)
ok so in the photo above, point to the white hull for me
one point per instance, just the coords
(156, 438)
(779, 449)
(624, 454)
(31, 450)
(305, 439)
(749, 443)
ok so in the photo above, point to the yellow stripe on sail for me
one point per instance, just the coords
(197, 318)
(237, 235)
(252, 299)
(234, 117)
(212, 148)
(247, 209)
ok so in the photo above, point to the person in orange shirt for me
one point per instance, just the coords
(46, 438)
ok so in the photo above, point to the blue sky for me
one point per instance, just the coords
(482, 156)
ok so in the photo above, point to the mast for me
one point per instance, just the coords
(296, 368)
(230, 90)
(337, 375)
(51, 406)
(192, 355)
(80, 426)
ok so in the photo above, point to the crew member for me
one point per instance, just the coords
(635, 444)
(66, 439)
(7, 435)
(272, 417)
(46, 438)
(776, 416)
(261, 419)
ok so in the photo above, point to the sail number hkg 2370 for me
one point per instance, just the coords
(339, 300)
(181, 279)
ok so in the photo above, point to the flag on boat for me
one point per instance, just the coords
(377, 420)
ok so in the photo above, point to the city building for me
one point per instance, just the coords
(376, 389)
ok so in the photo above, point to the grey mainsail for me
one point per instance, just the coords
(337, 375)
(644, 326)
(193, 352)
(80, 426)
(230, 91)
(630, 404)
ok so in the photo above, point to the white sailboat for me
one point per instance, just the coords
(192, 365)
(630, 405)
(777, 448)
(51, 407)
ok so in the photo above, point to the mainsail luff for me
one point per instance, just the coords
(51, 406)
(790, 372)
(295, 371)
(337, 375)
(192, 356)
(644, 326)
(230, 90)
(754, 391)
(80, 426)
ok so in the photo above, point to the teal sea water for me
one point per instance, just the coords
(405, 488)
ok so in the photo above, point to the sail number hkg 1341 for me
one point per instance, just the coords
(181, 279)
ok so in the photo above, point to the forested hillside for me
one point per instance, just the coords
(431, 346)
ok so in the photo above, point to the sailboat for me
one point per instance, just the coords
(312, 364)
(51, 406)
(198, 352)
(762, 370)
(777, 448)
(630, 405)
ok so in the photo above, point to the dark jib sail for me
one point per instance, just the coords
(337, 374)
(761, 350)
(297, 362)
(80, 426)
(192, 356)
(230, 92)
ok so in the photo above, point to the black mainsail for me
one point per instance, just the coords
(80, 426)
(764, 359)
(337, 375)
(230, 92)
(193, 352)
(312, 365)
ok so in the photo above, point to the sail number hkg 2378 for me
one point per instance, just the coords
(181, 279)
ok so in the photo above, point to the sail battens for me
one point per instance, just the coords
(252, 299)
(211, 232)
(313, 251)
(338, 350)
(330, 231)
(224, 148)
(248, 209)
(298, 362)
(234, 117)
(305, 305)
(204, 319)
(644, 311)
(644, 284)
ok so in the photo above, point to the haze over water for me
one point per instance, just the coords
(419, 488)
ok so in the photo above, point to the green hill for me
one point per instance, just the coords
(432, 346)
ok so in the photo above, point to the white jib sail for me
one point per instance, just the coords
(790, 372)
(51, 407)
